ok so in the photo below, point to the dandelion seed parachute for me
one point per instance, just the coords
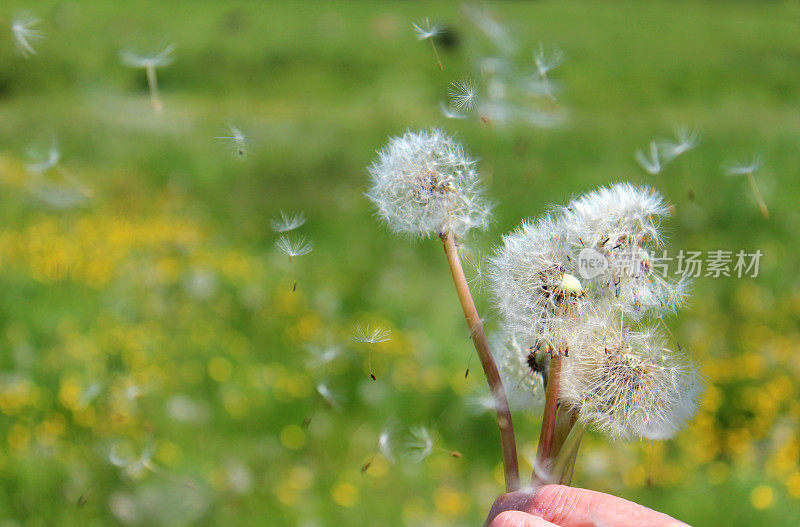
(369, 335)
(294, 247)
(419, 444)
(25, 34)
(424, 183)
(652, 164)
(685, 139)
(287, 222)
(153, 60)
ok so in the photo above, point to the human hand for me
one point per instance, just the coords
(561, 506)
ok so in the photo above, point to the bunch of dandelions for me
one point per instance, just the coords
(424, 184)
(150, 63)
(580, 284)
(23, 28)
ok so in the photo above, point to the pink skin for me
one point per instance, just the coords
(561, 506)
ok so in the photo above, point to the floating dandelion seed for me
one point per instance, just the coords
(651, 165)
(322, 355)
(288, 222)
(685, 139)
(749, 169)
(41, 164)
(330, 398)
(463, 94)
(385, 445)
(371, 336)
(150, 63)
(449, 112)
(294, 247)
(419, 444)
(22, 27)
(52, 184)
(547, 61)
(237, 139)
(429, 31)
(742, 169)
(423, 183)
(489, 26)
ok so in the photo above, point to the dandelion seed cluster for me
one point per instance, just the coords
(424, 183)
(617, 371)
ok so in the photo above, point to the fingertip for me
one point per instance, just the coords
(518, 519)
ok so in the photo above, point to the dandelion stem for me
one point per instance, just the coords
(761, 203)
(507, 439)
(548, 422)
(565, 420)
(436, 54)
(152, 83)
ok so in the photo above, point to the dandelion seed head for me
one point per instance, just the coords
(464, 94)
(158, 59)
(292, 247)
(23, 29)
(427, 29)
(423, 183)
(628, 384)
(542, 304)
(369, 335)
(287, 222)
(621, 224)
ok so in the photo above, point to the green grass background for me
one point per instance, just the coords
(100, 298)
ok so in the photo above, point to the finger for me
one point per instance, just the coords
(518, 519)
(572, 507)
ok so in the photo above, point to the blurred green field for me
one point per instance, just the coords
(156, 367)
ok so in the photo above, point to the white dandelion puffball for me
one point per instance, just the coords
(424, 183)
(620, 227)
(628, 384)
(540, 299)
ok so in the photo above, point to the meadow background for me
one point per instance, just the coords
(156, 367)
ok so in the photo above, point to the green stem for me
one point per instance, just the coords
(507, 440)
(565, 461)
